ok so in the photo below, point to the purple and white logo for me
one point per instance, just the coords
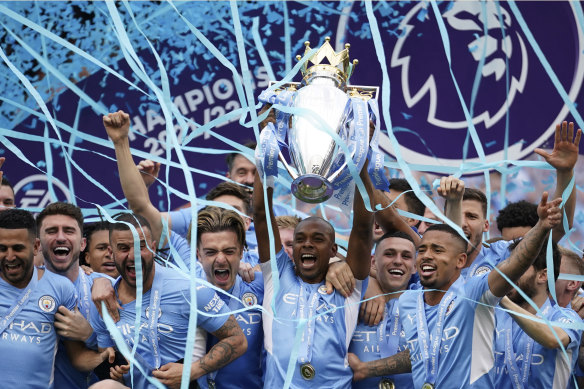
(499, 75)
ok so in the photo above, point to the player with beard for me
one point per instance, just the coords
(450, 326)
(302, 295)
(527, 353)
(164, 313)
(394, 260)
(29, 298)
(60, 229)
(97, 253)
(483, 258)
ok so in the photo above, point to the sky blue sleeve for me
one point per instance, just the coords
(213, 312)
(181, 220)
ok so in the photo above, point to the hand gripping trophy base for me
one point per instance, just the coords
(312, 188)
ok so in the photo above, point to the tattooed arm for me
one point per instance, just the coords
(527, 250)
(396, 364)
(232, 344)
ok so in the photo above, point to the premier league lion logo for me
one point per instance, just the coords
(499, 59)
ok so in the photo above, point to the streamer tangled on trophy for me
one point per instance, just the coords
(325, 124)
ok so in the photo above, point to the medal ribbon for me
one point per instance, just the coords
(431, 355)
(18, 304)
(84, 299)
(305, 351)
(376, 166)
(154, 309)
(388, 345)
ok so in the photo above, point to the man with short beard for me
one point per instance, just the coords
(29, 298)
(164, 313)
(526, 352)
(450, 326)
(60, 229)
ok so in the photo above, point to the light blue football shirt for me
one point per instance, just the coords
(251, 362)
(367, 345)
(549, 368)
(28, 344)
(467, 347)
(335, 322)
(173, 320)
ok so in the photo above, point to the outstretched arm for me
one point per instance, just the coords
(563, 158)
(396, 364)
(388, 218)
(540, 332)
(84, 359)
(117, 126)
(260, 219)
(527, 250)
(361, 237)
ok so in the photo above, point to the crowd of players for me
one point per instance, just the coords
(411, 304)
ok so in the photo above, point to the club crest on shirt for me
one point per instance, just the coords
(249, 299)
(482, 270)
(147, 312)
(449, 308)
(322, 289)
(47, 303)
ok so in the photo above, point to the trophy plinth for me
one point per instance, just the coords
(312, 188)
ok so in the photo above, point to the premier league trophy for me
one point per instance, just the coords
(323, 122)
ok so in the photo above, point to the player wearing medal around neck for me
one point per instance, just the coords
(394, 260)
(60, 230)
(450, 328)
(220, 242)
(29, 298)
(321, 360)
(527, 354)
(483, 258)
(164, 313)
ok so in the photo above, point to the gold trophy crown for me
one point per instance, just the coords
(339, 67)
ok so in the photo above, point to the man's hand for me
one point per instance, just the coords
(578, 306)
(117, 372)
(271, 118)
(565, 153)
(117, 125)
(340, 277)
(371, 311)
(357, 366)
(549, 213)
(451, 188)
(149, 170)
(246, 272)
(72, 324)
(86, 269)
(170, 375)
(103, 290)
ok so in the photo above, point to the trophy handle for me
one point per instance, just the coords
(289, 169)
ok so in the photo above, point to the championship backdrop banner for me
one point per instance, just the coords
(470, 87)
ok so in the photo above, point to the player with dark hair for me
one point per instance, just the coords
(165, 294)
(516, 219)
(405, 199)
(97, 253)
(29, 298)
(450, 326)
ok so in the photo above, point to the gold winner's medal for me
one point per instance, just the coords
(307, 371)
(211, 384)
(386, 383)
(427, 385)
